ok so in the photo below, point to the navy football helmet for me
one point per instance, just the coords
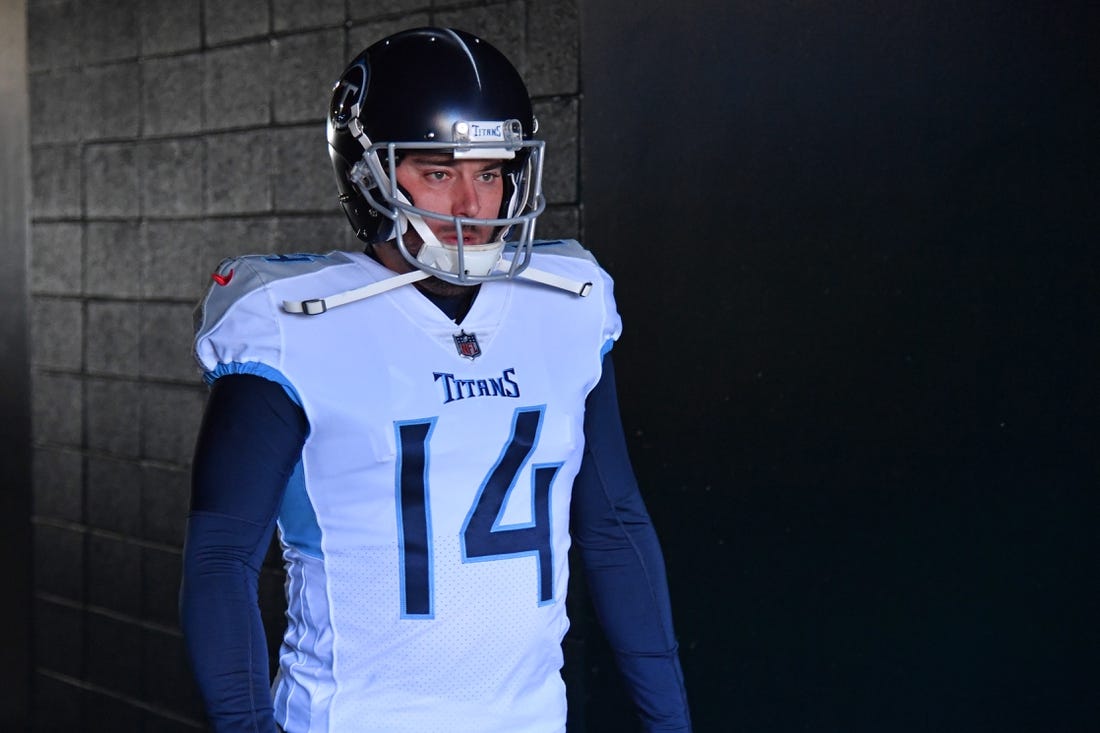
(442, 89)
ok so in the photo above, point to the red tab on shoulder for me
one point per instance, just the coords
(222, 280)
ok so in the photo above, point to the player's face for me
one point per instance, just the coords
(439, 183)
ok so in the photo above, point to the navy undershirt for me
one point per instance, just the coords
(250, 440)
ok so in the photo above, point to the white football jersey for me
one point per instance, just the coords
(425, 530)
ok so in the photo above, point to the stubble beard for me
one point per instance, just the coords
(435, 286)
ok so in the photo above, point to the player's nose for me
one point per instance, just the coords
(464, 197)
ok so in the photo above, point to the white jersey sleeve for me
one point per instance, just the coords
(238, 326)
(567, 249)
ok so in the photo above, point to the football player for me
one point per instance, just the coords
(430, 424)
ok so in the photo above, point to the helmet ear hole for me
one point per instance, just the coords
(368, 224)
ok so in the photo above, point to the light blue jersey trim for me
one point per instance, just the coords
(298, 518)
(255, 368)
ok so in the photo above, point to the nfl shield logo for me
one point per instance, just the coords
(467, 346)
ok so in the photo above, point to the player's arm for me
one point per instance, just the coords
(624, 566)
(251, 438)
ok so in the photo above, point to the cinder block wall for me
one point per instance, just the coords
(168, 134)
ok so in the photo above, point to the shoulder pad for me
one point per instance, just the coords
(252, 271)
(236, 277)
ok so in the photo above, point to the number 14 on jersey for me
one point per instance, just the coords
(484, 537)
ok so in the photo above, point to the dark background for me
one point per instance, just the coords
(853, 246)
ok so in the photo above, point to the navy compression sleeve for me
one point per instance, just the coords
(250, 440)
(624, 566)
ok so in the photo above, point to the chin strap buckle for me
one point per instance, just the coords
(314, 307)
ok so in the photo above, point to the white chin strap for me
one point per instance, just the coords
(478, 259)
(317, 306)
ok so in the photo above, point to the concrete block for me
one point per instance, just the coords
(170, 26)
(113, 107)
(114, 574)
(168, 722)
(123, 714)
(170, 418)
(113, 655)
(237, 86)
(559, 222)
(56, 333)
(303, 179)
(174, 263)
(59, 561)
(559, 121)
(58, 484)
(172, 93)
(365, 9)
(238, 172)
(361, 36)
(172, 177)
(58, 638)
(160, 579)
(231, 237)
(294, 14)
(53, 95)
(112, 265)
(112, 184)
(57, 409)
(110, 30)
(114, 338)
(504, 25)
(167, 332)
(315, 233)
(305, 68)
(165, 500)
(56, 181)
(553, 54)
(58, 704)
(114, 494)
(53, 39)
(114, 416)
(232, 20)
(56, 258)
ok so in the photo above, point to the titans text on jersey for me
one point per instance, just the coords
(458, 388)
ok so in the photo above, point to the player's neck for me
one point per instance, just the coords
(454, 300)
